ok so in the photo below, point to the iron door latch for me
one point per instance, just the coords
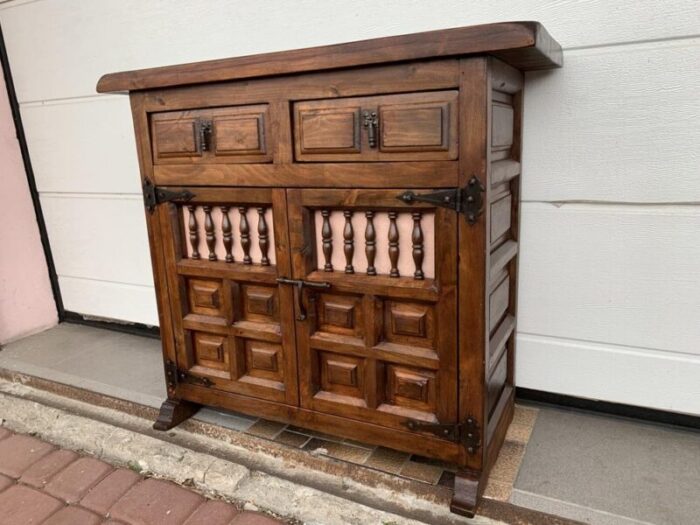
(153, 195)
(467, 200)
(467, 433)
(173, 376)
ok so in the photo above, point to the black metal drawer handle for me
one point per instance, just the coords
(300, 284)
(371, 121)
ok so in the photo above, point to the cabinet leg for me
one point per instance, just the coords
(468, 489)
(173, 412)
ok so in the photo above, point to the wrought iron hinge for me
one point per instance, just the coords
(173, 376)
(467, 200)
(153, 195)
(467, 433)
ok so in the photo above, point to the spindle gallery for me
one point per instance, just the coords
(334, 236)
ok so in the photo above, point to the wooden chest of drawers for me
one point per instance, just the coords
(334, 235)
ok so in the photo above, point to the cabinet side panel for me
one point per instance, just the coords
(502, 209)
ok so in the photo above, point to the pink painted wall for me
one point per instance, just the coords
(26, 300)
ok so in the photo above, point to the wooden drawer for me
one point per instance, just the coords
(411, 126)
(220, 135)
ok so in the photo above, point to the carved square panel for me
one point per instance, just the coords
(239, 134)
(341, 374)
(413, 388)
(211, 352)
(409, 323)
(263, 360)
(340, 314)
(206, 297)
(260, 303)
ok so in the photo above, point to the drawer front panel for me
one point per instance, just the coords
(222, 135)
(412, 126)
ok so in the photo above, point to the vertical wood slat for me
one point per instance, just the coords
(393, 244)
(245, 235)
(349, 242)
(226, 231)
(417, 240)
(370, 243)
(262, 237)
(209, 230)
(194, 235)
(327, 236)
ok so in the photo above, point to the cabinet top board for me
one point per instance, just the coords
(524, 45)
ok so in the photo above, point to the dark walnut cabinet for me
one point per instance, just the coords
(334, 235)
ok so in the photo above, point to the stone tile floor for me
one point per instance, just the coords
(40, 483)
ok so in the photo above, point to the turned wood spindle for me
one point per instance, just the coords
(417, 239)
(327, 236)
(370, 243)
(245, 235)
(349, 242)
(393, 244)
(226, 230)
(262, 237)
(194, 235)
(209, 229)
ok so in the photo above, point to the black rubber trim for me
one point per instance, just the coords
(605, 407)
(128, 328)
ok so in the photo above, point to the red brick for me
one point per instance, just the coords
(106, 493)
(25, 505)
(73, 516)
(43, 470)
(4, 433)
(73, 482)
(254, 518)
(213, 513)
(5, 482)
(155, 502)
(18, 453)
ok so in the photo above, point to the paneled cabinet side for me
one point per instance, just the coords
(502, 206)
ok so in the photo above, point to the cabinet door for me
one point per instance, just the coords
(234, 325)
(237, 134)
(376, 308)
(411, 126)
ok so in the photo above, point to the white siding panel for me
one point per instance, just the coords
(126, 302)
(99, 237)
(66, 157)
(615, 124)
(660, 380)
(81, 41)
(622, 275)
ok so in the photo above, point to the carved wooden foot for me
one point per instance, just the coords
(468, 490)
(173, 412)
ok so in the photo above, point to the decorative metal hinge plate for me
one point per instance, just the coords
(173, 376)
(467, 200)
(467, 433)
(153, 195)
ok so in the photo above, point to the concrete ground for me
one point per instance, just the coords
(581, 466)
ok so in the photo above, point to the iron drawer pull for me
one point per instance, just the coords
(370, 121)
(300, 283)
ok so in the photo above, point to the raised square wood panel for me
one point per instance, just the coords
(211, 354)
(409, 126)
(176, 136)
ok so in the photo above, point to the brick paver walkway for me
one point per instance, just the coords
(41, 484)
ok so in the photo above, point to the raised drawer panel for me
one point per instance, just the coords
(237, 134)
(411, 126)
